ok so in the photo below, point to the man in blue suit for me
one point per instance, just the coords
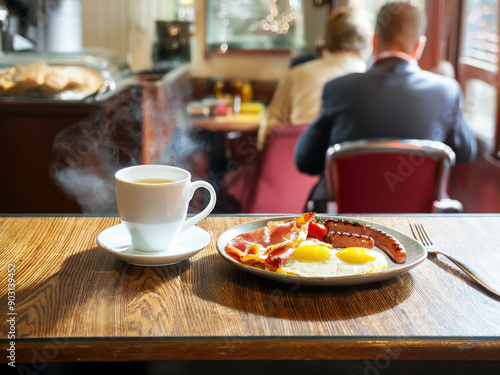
(393, 99)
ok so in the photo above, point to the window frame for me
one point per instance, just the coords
(469, 68)
(209, 52)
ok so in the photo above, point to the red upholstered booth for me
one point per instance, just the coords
(274, 185)
(390, 176)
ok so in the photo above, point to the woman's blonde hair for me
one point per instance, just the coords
(348, 29)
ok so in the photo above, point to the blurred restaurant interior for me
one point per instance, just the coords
(88, 87)
(186, 83)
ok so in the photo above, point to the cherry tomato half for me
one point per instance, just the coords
(317, 230)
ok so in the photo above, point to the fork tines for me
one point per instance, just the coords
(420, 233)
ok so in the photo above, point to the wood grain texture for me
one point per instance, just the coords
(95, 307)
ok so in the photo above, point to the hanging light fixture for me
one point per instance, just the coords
(276, 22)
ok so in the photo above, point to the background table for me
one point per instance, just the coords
(75, 302)
(230, 123)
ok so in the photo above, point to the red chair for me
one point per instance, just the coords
(390, 176)
(274, 185)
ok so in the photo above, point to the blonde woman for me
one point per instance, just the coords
(297, 99)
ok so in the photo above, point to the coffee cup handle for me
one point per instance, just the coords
(203, 214)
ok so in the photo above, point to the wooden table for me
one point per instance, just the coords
(75, 302)
(242, 122)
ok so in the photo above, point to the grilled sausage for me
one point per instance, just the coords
(391, 246)
(343, 239)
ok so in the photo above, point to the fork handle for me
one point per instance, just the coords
(469, 271)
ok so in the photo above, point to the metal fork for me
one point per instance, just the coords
(421, 235)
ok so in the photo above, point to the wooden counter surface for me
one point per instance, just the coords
(75, 302)
(230, 123)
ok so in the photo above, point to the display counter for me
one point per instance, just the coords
(56, 152)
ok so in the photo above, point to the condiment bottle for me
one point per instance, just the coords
(219, 89)
(246, 93)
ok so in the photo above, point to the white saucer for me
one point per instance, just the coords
(116, 241)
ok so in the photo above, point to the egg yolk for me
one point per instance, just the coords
(357, 255)
(311, 252)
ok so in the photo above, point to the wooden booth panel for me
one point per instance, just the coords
(40, 139)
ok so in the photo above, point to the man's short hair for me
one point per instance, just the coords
(400, 22)
(348, 29)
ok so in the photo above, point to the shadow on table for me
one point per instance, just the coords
(297, 302)
(455, 271)
(86, 283)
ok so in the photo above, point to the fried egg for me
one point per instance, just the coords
(314, 258)
(359, 260)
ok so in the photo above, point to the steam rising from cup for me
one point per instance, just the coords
(146, 123)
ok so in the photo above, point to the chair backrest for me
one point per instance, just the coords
(280, 187)
(387, 175)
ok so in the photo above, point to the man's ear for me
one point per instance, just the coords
(375, 43)
(418, 49)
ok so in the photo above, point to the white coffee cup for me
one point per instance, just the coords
(154, 210)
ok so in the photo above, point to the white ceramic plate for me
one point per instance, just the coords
(415, 252)
(116, 241)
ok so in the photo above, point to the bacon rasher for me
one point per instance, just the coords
(271, 246)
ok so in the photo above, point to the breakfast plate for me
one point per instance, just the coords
(416, 254)
(116, 241)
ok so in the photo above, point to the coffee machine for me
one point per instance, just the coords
(4, 21)
(18, 25)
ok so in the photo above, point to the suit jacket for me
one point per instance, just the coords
(393, 99)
